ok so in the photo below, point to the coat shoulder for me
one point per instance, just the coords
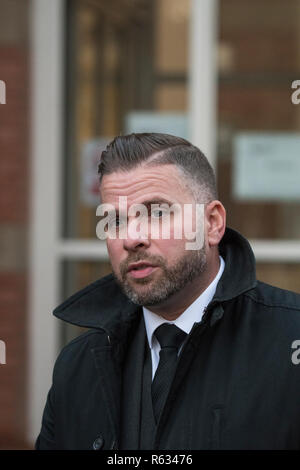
(77, 350)
(275, 297)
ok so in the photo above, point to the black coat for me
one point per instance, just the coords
(236, 386)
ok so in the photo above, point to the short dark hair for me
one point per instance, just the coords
(129, 151)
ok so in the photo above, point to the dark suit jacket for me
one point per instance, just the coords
(236, 385)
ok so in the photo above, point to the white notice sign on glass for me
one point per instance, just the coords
(266, 166)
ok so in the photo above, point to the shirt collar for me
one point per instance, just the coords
(190, 316)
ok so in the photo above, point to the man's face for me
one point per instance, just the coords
(173, 266)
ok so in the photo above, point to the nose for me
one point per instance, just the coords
(137, 237)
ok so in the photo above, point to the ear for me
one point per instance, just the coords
(215, 222)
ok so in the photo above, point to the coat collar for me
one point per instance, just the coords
(103, 305)
(239, 274)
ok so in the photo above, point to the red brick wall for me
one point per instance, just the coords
(14, 193)
(14, 136)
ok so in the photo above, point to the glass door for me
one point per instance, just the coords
(259, 131)
(126, 72)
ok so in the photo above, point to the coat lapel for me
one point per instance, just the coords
(110, 381)
(132, 389)
(109, 360)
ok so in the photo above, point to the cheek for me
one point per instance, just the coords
(169, 249)
(114, 252)
(184, 224)
(194, 222)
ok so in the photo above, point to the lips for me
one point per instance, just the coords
(140, 265)
(141, 269)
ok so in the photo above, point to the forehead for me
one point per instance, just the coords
(163, 180)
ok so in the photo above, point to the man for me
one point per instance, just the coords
(185, 348)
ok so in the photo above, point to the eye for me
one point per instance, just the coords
(116, 222)
(159, 213)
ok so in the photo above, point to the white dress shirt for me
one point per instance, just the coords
(185, 321)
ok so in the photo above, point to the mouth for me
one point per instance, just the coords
(140, 270)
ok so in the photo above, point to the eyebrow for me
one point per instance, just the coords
(146, 203)
(162, 200)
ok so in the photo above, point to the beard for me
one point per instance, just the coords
(155, 289)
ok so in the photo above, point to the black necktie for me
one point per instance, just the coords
(170, 338)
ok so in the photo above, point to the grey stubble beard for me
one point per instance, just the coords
(172, 279)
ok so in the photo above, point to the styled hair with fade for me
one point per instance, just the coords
(127, 152)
